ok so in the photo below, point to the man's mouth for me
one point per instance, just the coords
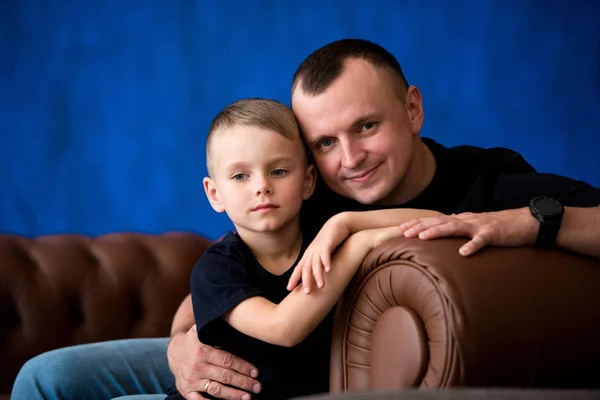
(363, 176)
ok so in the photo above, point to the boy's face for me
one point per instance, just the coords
(259, 177)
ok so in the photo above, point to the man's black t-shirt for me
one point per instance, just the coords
(467, 178)
(227, 274)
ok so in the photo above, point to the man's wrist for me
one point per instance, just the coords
(178, 331)
(531, 226)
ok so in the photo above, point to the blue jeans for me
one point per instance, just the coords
(97, 371)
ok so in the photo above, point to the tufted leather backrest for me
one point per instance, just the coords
(62, 290)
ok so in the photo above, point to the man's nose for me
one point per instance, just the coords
(352, 154)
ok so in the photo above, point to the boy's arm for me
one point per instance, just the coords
(290, 322)
(357, 221)
(318, 255)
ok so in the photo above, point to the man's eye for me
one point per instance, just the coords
(325, 143)
(279, 172)
(238, 177)
(368, 126)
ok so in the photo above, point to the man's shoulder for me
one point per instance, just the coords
(478, 159)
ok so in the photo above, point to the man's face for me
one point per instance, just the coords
(362, 135)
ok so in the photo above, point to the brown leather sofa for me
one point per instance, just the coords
(416, 315)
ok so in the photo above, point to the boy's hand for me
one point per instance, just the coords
(318, 254)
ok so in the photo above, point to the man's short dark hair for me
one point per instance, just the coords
(324, 65)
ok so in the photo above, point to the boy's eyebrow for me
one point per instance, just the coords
(281, 159)
(275, 160)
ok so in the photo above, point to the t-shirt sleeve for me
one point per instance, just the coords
(516, 190)
(219, 282)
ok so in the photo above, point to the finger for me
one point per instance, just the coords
(228, 362)
(424, 224)
(295, 278)
(306, 280)
(193, 396)
(474, 245)
(409, 224)
(231, 379)
(318, 273)
(219, 391)
(452, 228)
(326, 260)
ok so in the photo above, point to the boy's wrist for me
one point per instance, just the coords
(344, 221)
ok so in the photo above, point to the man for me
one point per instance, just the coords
(361, 121)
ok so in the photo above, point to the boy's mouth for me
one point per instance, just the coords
(265, 207)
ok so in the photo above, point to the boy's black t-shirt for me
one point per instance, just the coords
(228, 273)
(467, 178)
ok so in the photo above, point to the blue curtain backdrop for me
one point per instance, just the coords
(104, 105)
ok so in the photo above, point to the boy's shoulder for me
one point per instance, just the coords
(230, 250)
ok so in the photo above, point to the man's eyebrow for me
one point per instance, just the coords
(358, 122)
(363, 119)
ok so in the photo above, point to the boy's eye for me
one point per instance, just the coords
(238, 177)
(279, 172)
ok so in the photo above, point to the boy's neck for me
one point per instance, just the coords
(276, 251)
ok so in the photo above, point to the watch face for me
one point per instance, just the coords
(547, 206)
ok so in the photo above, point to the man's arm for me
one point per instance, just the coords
(184, 317)
(193, 363)
(579, 232)
(290, 321)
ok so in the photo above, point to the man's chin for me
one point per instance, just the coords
(367, 196)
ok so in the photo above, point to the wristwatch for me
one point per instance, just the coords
(549, 212)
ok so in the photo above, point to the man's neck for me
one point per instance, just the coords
(418, 177)
(276, 251)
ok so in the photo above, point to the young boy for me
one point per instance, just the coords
(259, 175)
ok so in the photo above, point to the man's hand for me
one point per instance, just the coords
(318, 255)
(197, 367)
(509, 228)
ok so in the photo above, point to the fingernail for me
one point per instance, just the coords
(254, 373)
(320, 284)
(256, 388)
(246, 396)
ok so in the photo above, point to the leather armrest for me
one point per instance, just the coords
(417, 314)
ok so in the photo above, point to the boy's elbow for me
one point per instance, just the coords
(287, 334)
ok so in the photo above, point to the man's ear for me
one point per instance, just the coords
(213, 195)
(414, 106)
(310, 180)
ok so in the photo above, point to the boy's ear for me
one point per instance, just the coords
(310, 180)
(213, 195)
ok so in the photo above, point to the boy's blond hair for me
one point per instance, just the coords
(262, 113)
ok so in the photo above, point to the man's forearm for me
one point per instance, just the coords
(184, 317)
(580, 231)
(361, 220)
